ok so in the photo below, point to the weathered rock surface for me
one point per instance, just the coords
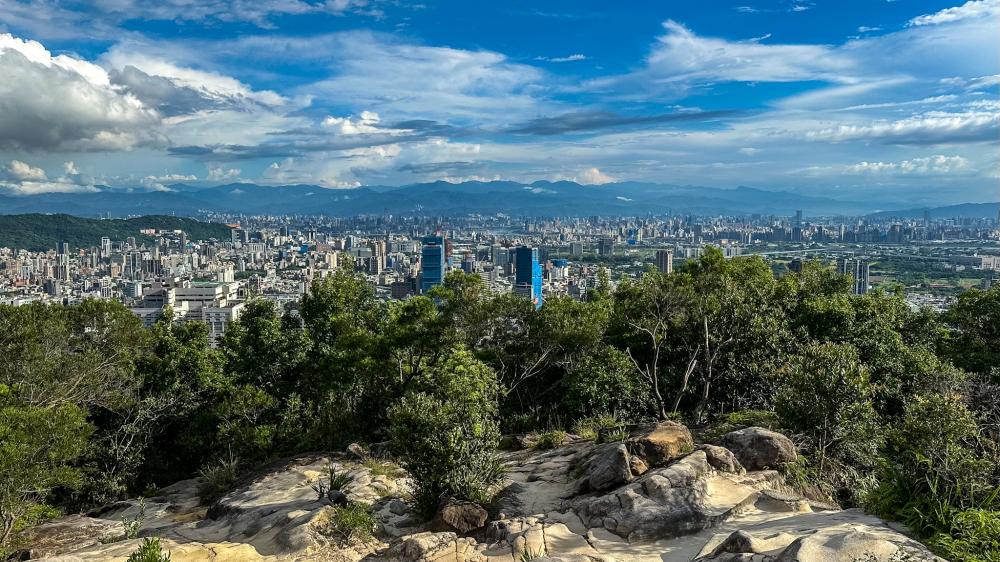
(758, 448)
(660, 443)
(580, 502)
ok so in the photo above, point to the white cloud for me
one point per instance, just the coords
(22, 171)
(969, 10)
(217, 173)
(570, 58)
(937, 164)
(61, 102)
(934, 127)
(593, 176)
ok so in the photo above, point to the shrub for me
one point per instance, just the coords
(149, 551)
(217, 478)
(382, 468)
(591, 429)
(350, 523)
(974, 536)
(444, 431)
(605, 381)
(550, 439)
(334, 481)
(131, 525)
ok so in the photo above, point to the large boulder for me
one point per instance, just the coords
(660, 443)
(758, 448)
(460, 516)
(722, 459)
(609, 467)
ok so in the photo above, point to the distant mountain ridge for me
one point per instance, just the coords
(964, 210)
(38, 232)
(540, 198)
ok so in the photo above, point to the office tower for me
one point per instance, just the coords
(432, 263)
(576, 249)
(606, 248)
(665, 261)
(858, 269)
(528, 274)
(798, 218)
(468, 263)
(64, 248)
(105, 247)
(184, 240)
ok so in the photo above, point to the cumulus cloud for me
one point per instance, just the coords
(969, 10)
(935, 127)
(61, 102)
(937, 164)
(593, 176)
(20, 178)
(217, 173)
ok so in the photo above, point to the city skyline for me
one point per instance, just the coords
(840, 100)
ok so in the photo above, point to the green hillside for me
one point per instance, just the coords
(38, 232)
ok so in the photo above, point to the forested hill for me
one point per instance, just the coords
(39, 232)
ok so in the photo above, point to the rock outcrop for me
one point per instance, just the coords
(758, 448)
(653, 498)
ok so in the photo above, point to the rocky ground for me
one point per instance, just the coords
(655, 497)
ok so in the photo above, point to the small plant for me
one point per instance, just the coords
(353, 522)
(592, 429)
(334, 481)
(217, 478)
(130, 525)
(527, 555)
(382, 468)
(149, 551)
(550, 439)
(616, 435)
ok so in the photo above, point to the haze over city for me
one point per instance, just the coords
(893, 103)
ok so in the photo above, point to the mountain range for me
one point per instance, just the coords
(541, 198)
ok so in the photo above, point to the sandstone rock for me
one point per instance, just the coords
(658, 444)
(722, 459)
(608, 467)
(358, 451)
(461, 516)
(758, 448)
(637, 466)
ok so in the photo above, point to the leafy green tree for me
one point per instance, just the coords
(605, 382)
(974, 341)
(445, 432)
(826, 395)
(37, 448)
(265, 348)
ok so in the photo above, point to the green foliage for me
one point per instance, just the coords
(974, 342)
(593, 429)
(37, 447)
(974, 536)
(149, 551)
(826, 396)
(382, 468)
(37, 232)
(335, 481)
(217, 478)
(351, 523)
(444, 431)
(549, 439)
(606, 381)
(131, 525)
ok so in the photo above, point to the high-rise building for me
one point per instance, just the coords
(432, 263)
(528, 274)
(606, 248)
(858, 269)
(576, 249)
(665, 261)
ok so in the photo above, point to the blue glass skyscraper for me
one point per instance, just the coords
(528, 274)
(432, 263)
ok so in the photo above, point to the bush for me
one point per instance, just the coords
(606, 381)
(149, 551)
(217, 478)
(592, 429)
(444, 431)
(353, 522)
(550, 439)
(974, 536)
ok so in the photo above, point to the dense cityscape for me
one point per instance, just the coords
(278, 257)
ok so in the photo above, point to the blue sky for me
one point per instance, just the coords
(851, 99)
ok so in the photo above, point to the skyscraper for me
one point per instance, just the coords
(665, 261)
(528, 274)
(858, 269)
(432, 263)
